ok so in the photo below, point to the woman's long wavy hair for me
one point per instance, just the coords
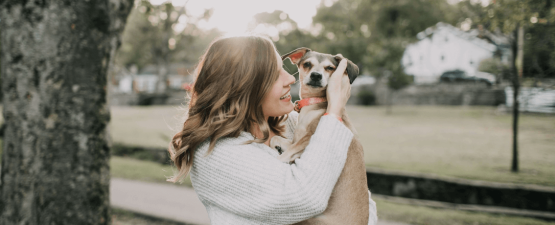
(231, 80)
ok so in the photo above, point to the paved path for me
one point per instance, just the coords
(159, 200)
(164, 200)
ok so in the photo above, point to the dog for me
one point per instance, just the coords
(349, 201)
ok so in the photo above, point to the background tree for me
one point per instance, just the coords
(289, 36)
(374, 34)
(496, 67)
(396, 81)
(55, 58)
(513, 17)
(160, 35)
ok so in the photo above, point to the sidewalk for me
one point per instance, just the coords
(159, 200)
(164, 201)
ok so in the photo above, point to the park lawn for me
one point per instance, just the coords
(134, 169)
(463, 142)
(148, 126)
(453, 141)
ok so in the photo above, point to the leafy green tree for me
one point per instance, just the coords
(396, 81)
(290, 36)
(375, 33)
(513, 17)
(496, 67)
(155, 35)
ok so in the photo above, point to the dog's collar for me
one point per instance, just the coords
(308, 101)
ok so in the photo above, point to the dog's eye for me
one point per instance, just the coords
(307, 64)
(330, 68)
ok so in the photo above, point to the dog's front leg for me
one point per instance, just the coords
(295, 150)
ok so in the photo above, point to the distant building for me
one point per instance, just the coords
(179, 77)
(444, 48)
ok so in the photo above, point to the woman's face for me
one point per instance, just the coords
(277, 102)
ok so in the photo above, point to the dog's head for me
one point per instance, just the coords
(316, 68)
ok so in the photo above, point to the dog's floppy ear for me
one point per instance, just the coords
(296, 55)
(352, 69)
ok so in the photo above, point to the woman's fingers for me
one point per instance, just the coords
(334, 82)
(340, 70)
(336, 91)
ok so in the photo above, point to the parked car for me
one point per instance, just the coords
(459, 76)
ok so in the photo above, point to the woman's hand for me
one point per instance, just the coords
(339, 89)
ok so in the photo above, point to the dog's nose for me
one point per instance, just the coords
(315, 76)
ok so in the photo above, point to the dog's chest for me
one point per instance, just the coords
(309, 114)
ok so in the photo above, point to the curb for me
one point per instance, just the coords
(461, 191)
(464, 207)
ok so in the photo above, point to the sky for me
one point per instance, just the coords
(233, 16)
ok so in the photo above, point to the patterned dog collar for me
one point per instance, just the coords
(307, 101)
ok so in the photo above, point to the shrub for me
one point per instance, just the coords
(366, 97)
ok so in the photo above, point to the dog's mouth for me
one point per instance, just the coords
(314, 84)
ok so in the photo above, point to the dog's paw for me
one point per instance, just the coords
(280, 144)
(285, 158)
(274, 142)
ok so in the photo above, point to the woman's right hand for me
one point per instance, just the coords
(339, 89)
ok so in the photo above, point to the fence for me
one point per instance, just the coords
(539, 100)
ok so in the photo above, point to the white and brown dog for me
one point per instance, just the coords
(349, 201)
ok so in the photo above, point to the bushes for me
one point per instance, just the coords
(142, 153)
(366, 97)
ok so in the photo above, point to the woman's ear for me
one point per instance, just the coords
(296, 55)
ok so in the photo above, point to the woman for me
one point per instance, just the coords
(240, 101)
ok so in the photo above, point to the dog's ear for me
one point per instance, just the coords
(352, 69)
(296, 55)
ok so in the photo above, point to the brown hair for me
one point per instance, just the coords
(231, 80)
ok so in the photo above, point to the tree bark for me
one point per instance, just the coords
(55, 59)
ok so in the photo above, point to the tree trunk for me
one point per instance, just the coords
(389, 101)
(517, 74)
(55, 60)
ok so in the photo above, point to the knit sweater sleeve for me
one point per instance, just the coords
(248, 182)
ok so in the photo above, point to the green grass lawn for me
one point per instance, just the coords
(135, 169)
(454, 141)
(151, 126)
(464, 142)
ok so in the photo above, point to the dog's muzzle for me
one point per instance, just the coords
(315, 76)
(315, 79)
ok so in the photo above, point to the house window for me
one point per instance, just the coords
(471, 62)
(442, 58)
(446, 39)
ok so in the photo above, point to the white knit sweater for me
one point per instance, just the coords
(246, 184)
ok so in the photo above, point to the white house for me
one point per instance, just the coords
(444, 47)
